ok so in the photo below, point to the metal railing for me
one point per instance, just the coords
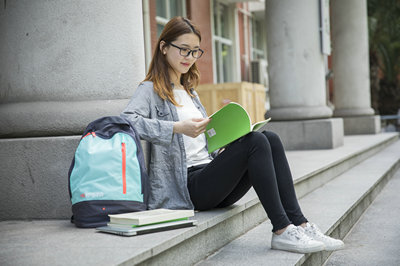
(390, 123)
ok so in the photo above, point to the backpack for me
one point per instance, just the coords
(107, 174)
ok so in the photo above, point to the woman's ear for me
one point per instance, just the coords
(163, 48)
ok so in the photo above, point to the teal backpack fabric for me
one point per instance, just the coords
(108, 173)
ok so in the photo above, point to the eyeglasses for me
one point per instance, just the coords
(185, 52)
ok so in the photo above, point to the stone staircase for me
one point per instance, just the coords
(375, 238)
(335, 207)
(334, 187)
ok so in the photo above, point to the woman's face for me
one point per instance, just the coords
(181, 64)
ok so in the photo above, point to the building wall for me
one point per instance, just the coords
(200, 13)
(242, 46)
(153, 24)
(245, 40)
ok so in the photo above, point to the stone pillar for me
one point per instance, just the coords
(350, 61)
(297, 77)
(62, 65)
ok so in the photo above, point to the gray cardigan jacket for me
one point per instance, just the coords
(153, 118)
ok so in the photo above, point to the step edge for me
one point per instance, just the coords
(338, 167)
(376, 148)
(201, 227)
(136, 260)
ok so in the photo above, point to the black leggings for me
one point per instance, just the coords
(258, 160)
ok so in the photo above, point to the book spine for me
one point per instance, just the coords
(164, 218)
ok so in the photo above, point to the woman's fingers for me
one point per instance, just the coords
(201, 125)
(192, 127)
(201, 122)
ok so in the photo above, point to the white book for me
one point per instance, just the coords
(150, 217)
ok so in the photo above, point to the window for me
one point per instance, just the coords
(167, 9)
(223, 44)
(258, 39)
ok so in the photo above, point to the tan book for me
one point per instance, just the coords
(150, 217)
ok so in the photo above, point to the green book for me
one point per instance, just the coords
(228, 124)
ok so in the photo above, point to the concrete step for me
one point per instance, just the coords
(59, 242)
(313, 168)
(375, 238)
(335, 207)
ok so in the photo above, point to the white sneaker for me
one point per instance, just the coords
(294, 239)
(313, 231)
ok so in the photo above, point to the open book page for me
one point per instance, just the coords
(227, 125)
(258, 126)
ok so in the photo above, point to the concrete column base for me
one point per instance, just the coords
(358, 125)
(298, 113)
(309, 134)
(34, 177)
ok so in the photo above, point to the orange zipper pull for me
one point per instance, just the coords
(123, 149)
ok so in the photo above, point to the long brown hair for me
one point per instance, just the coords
(159, 66)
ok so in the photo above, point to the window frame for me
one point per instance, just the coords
(254, 49)
(218, 41)
(164, 20)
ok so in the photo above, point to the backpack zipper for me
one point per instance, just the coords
(90, 133)
(123, 149)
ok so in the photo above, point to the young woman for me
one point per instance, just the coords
(167, 112)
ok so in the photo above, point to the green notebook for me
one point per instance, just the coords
(228, 124)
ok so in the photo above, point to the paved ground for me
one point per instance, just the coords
(375, 239)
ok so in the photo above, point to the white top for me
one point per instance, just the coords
(195, 148)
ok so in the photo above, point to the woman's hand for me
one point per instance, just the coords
(191, 127)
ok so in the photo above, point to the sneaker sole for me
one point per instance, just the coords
(298, 250)
(334, 248)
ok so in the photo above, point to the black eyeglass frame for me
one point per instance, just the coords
(188, 53)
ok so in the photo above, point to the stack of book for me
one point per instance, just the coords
(135, 223)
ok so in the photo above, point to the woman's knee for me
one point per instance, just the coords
(255, 138)
(272, 137)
